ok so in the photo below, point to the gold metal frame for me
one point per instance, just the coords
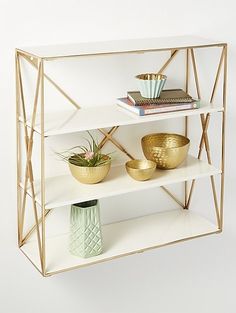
(21, 119)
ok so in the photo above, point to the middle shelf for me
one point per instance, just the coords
(65, 190)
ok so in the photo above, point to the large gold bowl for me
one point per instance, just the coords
(140, 169)
(167, 150)
(89, 175)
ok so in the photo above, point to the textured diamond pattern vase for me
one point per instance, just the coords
(85, 229)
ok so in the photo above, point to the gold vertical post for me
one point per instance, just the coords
(42, 185)
(29, 148)
(186, 123)
(28, 171)
(223, 139)
(18, 149)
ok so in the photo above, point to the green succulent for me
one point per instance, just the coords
(90, 156)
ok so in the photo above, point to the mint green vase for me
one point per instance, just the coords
(85, 229)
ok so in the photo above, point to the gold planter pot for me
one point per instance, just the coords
(90, 175)
(167, 150)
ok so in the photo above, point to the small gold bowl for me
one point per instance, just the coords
(140, 169)
(167, 150)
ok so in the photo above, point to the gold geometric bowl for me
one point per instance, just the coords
(89, 175)
(140, 169)
(167, 150)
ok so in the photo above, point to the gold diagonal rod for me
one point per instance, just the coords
(173, 197)
(195, 74)
(52, 82)
(117, 144)
(30, 177)
(23, 107)
(33, 228)
(207, 148)
(22, 102)
(105, 139)
(223, 139)
(42, 178)
(173, 54)
(29, 150)
(217, 75)
(199, 155)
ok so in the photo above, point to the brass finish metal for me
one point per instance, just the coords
(34, 64)
(28, 172)
(42, 182)
(140, 169)
(32, 230)
(90, 175)
(151, 76)
(173, 54)
(173, 197)
(18, 151)
(167, 150)
(223, 140)
(204, 140)
(195, 74)
(38, 63)
(108, 136)
(28, 169)
(217, 74)
(199, 155)
(186, 124)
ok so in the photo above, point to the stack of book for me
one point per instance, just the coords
(170, 100)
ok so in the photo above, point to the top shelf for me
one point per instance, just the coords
(119, 46)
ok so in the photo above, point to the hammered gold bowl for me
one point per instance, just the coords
(90, 175)
(140, 169)
(167, 150)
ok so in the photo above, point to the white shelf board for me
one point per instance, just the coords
(65, 190)
(119, 46)
(89, 118)
(124, 238)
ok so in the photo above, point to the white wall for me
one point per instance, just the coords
(191, 277)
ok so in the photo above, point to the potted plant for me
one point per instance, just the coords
(88, 165)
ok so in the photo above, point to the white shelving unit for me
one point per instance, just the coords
(50, 255)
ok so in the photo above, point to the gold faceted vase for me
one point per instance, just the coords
(90, 174)
(167, 150)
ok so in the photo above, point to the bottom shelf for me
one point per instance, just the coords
(124, 238)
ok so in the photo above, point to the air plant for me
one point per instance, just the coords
(89, 156)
